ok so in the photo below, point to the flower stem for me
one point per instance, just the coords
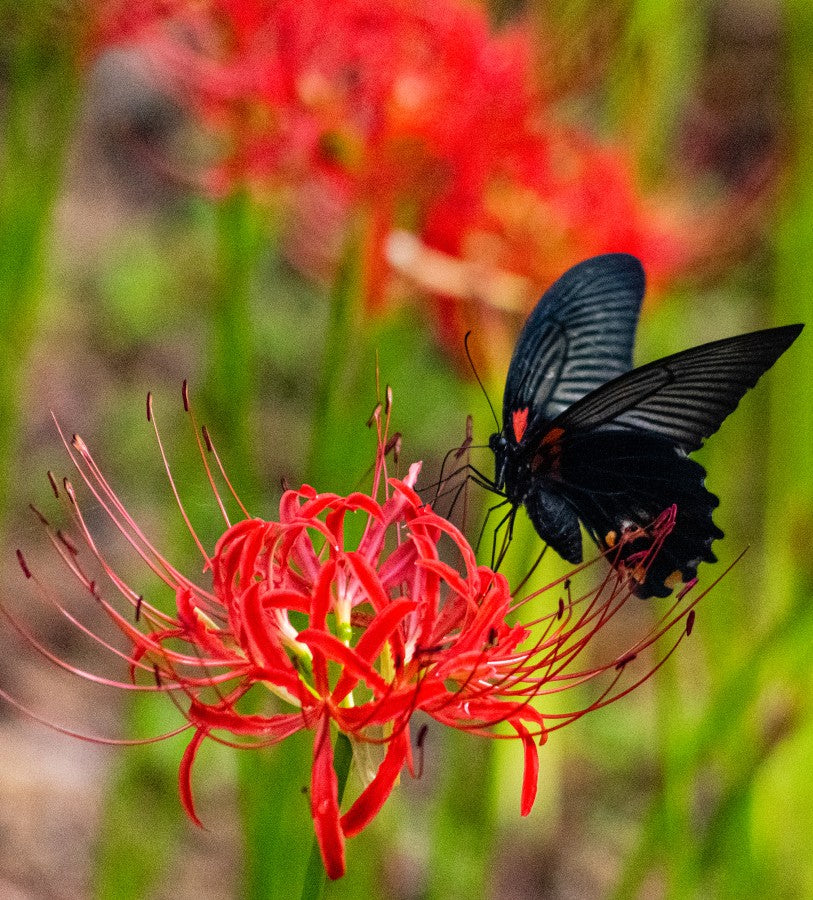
(40, 98)
(232, 378)
(334, 425)
(315, 876)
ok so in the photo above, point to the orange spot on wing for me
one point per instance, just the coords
(519, 421)
(674, 579)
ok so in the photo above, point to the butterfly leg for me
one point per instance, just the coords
(507, 519)
(489, 511)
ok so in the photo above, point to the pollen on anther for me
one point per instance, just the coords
(149, 406)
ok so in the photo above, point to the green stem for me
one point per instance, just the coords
(315, 876)
(652, 73)
(719, 728)
(232, 378)
(42, 88)
(675, 824)
(334, 426)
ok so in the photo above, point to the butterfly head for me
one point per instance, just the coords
(501, 449)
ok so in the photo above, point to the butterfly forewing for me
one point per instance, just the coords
(684, 397)
(579, 336)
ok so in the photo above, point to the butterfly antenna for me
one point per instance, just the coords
(479, 380)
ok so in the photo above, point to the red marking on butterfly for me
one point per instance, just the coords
(519, 420)
(550, 450)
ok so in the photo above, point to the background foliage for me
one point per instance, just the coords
(117, 276)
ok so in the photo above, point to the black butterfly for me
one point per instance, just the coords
(584, 438)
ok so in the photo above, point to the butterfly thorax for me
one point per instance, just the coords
(514, 464)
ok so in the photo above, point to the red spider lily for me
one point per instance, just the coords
(413, 111)
(353, 634)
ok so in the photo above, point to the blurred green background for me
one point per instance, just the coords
(118, 275)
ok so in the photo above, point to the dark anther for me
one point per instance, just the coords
(23, 564)
(394, 443)
(467, 442)
(561, 608)
(206, 439)
(185, 395)
(69, 544)
(419, 742)
(149, 406)
(52, 481)
(492, 635)
(156, 672)
(38, 514)
(623, 662)
(373, 415)
(689, 622)
(138, 607)
(283, 483)
(567, 584)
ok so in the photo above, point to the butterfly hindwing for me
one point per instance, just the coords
(618, 479)
(579, 336)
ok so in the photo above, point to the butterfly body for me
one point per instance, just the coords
(588, 439)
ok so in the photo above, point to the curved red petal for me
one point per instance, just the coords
(369, 579)
(325, 802)
(370, 643)
(530, 775)
(274, 727)
(185, 775)
(373, 797)
(346, 656)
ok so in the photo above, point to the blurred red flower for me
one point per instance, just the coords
(417, 114)
(356, 634)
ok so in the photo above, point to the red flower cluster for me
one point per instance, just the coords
(412, 110)
(354, 634)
